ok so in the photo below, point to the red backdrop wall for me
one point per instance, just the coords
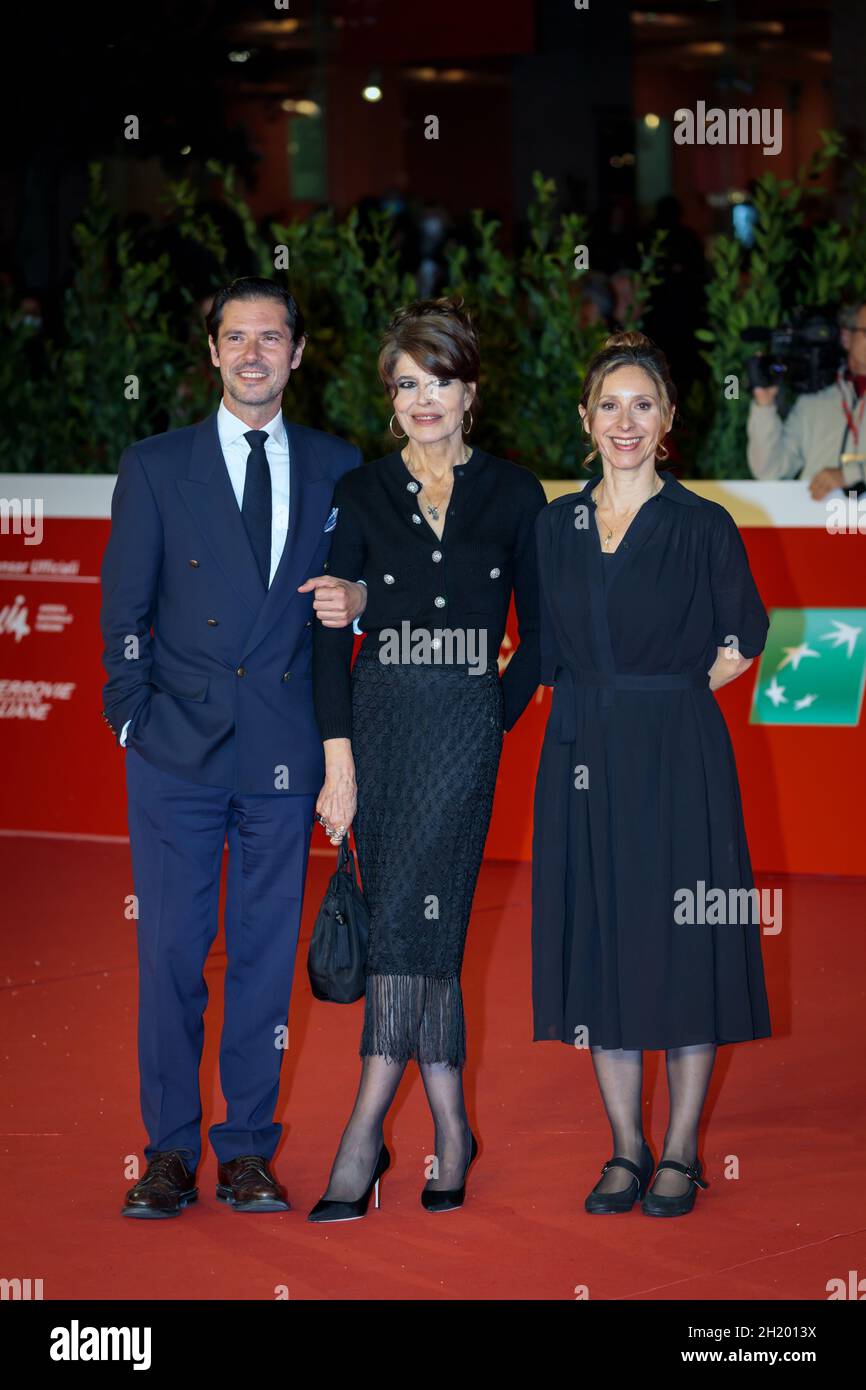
(803, 789)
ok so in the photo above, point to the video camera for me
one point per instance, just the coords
(804, 352)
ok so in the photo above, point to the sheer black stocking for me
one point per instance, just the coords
(444, 1087)
(620, 1078)
(362, 1137)
(689, 1071)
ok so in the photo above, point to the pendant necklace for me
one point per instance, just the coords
(428, 506)
(609, 537)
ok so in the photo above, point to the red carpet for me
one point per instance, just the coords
(789, 1109)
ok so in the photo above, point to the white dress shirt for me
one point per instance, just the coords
(236, 451)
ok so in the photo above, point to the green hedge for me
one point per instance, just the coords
(791, 263)
(132, 359)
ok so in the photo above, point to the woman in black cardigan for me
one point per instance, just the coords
(441, 534)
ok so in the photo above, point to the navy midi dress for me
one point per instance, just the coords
(637, 801)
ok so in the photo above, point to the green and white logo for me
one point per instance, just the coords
(813, 668)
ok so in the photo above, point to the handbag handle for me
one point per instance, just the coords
(346, 859)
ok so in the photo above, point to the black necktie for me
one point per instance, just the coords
(256, 506)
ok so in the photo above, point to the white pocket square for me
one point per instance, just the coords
(332, 519)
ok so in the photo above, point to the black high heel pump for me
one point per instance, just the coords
(450, 1198)
(331, 1210)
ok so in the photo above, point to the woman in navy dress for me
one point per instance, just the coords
(647, 606)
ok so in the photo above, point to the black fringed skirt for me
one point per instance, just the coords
(426, 742)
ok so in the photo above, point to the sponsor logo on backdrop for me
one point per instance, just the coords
(20, 569)
(15, 618)
(52, 617)
(32, 699)
(813, 668)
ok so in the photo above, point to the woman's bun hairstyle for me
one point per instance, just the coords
(631, 339)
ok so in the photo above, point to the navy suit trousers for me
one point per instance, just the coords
(177, 832)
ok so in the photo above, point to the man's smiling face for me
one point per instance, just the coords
(255, 353)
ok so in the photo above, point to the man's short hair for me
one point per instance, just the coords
(255, 287)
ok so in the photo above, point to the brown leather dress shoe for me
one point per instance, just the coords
(248, 1184)
(166, 1188)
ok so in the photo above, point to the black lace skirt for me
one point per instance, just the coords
(426, 741)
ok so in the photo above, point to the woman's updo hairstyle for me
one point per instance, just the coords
(630, 350)
(438, 335)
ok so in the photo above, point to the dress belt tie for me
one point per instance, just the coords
(675, 680)
(567, 679)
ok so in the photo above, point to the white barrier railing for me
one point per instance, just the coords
(750, 503)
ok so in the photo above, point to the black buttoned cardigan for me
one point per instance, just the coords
(465, 580)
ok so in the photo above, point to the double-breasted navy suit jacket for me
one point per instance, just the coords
(214, 670)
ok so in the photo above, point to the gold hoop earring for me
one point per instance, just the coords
(662, 453)
(471, 421)
(391, 428)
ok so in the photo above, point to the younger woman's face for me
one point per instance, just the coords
(627, 422)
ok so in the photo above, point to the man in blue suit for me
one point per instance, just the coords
(207, 618)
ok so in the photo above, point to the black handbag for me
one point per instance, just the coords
(338, 948)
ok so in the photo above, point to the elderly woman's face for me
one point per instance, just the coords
(627, 420)
(429, 408)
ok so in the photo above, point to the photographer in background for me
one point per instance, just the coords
(823, 438)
